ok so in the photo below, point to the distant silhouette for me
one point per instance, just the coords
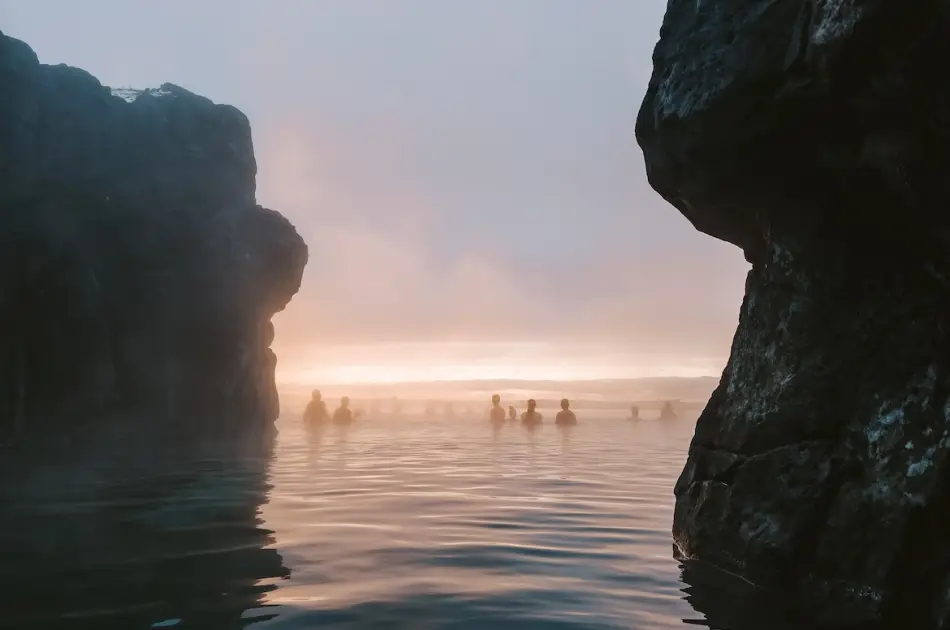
(634, 412)
(531, 417)
(497, 413)
(565, 417)
(512, 414)
(316, 412)
(344, 415)
(667, 412)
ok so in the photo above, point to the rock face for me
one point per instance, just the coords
(137, 273)
(815, 135)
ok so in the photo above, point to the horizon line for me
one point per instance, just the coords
(504, 380)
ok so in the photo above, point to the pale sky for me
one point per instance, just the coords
(463, 171)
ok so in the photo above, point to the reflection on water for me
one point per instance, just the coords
(445, 523)
(412, 523)
(141, 538)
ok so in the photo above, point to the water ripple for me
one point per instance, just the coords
(410, 524)
(448, 524)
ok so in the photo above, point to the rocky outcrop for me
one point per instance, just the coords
(814, 135)
(138, 275)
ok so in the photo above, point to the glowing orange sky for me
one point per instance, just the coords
(408, 362)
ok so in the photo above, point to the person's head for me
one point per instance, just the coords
(496, 399)
(316, 394)
(565, 403)
(532, 404)
(345, 402)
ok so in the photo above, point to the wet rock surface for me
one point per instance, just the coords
(138, 275)
(814, 134)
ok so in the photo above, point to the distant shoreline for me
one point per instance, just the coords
(647, 393)
(513, 382)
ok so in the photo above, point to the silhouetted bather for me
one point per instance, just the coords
(531, 417)
(565, 417)
(344, 415)
(667, 412)
(512, 414)
(634, 413)
(316, 412)
(497, 414)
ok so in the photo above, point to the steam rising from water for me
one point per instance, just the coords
(395, 290)
(462, 172)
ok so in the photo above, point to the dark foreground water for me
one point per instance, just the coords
(411, 523)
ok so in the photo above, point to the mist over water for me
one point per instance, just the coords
(412, 397)
(392, 522)
(477, 213)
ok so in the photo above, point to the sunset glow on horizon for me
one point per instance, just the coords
(471, 211)
(392, 363)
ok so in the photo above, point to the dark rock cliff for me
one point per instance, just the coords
(138, 275)
(814, 134)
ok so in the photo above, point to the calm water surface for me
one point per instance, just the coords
(447, 523)
(391, 523)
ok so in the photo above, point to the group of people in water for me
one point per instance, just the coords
(531, 416)
(316, 413)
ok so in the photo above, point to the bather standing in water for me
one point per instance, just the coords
(497, 413)
(634, 413)
(512, 414)
(531, 417)
(344, 415)
(316, 412)
(667, 412)
(565, 417)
